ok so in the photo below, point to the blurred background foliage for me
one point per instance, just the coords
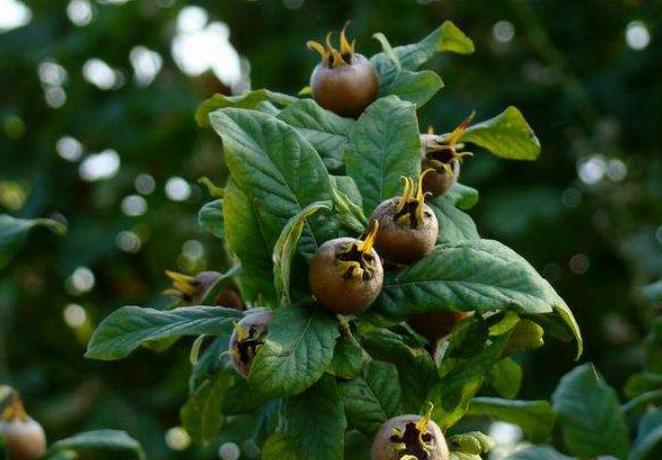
(97, 130)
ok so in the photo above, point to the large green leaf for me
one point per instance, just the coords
(648, 444)
(385, 147)
(247, 240)
(416, 369)
(210, 218)
(538, 453)
(277, 170)
(536, 418)
(472, 275)
(298, 348)
(201, 415)
(589, 415)
(126, 329)
(327, 132)
(373, 398)
(507, 135)
(454, 225)
(285, 249)
(278, 447)
(13, 232)
(250, 100)
(102, 444)
(315, 421)
(480, 275)
(446, 38)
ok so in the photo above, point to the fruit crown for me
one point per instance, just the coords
(331, 57)
(413, 441)
(183, 286)
(410, 206)
(354, 261)
(14, 410)
(443, 150)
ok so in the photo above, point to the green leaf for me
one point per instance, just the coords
(327, 132)
(298, 348)
(538, 453)
(461, 378)
(348, 358)
(110, 444)
(415, 87)
(416, 369)
(506, 378)
(126, 329)
(348, 203)
(473, 275)
(536, 418)
(454, 225)
(589, 414)
(462, 196)
(286, 246)
(247, 240)
(201, 415)
(250, 100)
(278, 171)
(373, 398)
(385, 146)
(446, 38)
(14, 231)
(210, 218)
(315, 421)
(278, 447)
(643, 382)
(507, 135)
(648, 444)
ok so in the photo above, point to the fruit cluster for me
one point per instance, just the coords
(362, 291)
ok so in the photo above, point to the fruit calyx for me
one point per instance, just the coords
(354, 258)
(413, 442)
(184, 286)
(331, 57)
(410, 208)
(249, 340)
(14, 410)
(441, 151)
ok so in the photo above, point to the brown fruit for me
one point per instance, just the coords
(435, 326)
(346, 274)
(442, 155)
(193, 289)
(345, 82)
(408, 227)
(410, 437)
(247, 338)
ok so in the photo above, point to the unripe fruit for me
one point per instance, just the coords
(408, 227)
(410, 437)
(346, 274)
(345, 82)
(441, 154)
(193, 289)
(247, 338)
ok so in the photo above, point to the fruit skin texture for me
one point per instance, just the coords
(346, 90)
(25, 438)
(337, 292)
(398, 241)
(383, 447)
(247, 338)
(441, 180)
